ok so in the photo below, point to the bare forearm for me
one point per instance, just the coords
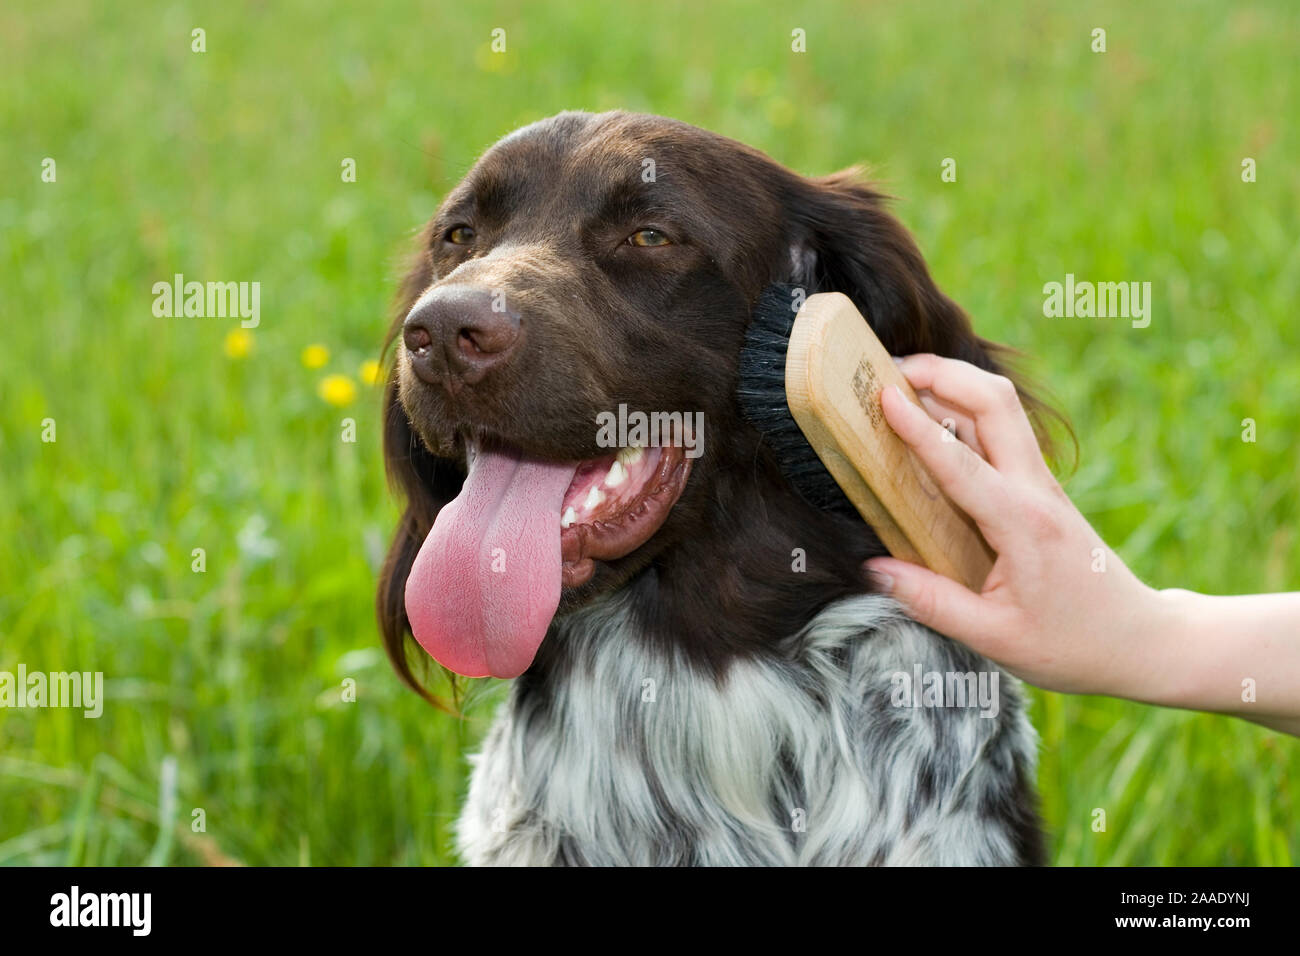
(1231, 654)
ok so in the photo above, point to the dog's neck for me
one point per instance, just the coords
(765, 569)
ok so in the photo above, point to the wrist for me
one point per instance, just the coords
(1178, 623)
(1157, 670)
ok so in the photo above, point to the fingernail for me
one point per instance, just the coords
(886, 581)
(898, 359)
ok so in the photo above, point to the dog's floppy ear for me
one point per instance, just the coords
(425, 481)
(847, 241)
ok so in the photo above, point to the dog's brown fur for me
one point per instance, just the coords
(657, 328)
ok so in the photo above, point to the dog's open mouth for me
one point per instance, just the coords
(486, 582)
(614, 504)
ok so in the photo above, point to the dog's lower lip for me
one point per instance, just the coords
(632, 526)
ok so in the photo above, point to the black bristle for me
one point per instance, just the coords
(761, 393)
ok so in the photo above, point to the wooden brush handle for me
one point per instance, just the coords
(834, 371)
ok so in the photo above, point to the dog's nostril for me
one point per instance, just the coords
(454, 332)
(416, 338)
(487, 338)
(467, 344)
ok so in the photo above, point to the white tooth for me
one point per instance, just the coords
(570, 516)
(594, 498)
(629, 456)
(617, 475)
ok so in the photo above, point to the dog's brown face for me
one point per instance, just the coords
(620, 255)
(587, 264)
(588, 269)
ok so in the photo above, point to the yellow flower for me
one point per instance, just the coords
(239, 342)
(337, 390)
(315, 356)
(371, 372)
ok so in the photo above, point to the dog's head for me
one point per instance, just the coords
(592, 272)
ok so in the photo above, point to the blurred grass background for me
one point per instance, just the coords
(174, 434)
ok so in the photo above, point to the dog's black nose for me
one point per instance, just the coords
(463, 330)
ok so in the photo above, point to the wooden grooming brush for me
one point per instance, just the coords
(811, 384)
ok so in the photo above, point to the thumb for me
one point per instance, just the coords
(936, 601)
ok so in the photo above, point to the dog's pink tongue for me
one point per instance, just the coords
(486, 583)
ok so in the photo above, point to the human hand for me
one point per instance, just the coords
(1059, 608)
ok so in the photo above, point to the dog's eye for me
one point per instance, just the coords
(460, 235)
(648, 238)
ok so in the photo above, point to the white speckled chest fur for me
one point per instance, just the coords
(637, 759)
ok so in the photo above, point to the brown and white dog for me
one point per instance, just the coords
(685, 691)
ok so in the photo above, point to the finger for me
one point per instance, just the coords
(941, 603)
(954, 419)
(964, 476)
(992, 401)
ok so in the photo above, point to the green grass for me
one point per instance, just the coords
(226, 165)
